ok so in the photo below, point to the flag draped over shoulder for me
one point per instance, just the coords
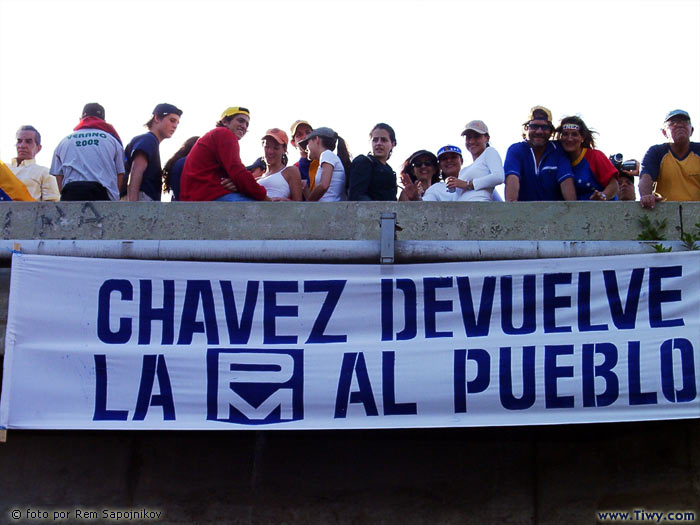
(11, 188)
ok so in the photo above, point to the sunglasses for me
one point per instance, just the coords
(675, 123)
(424, 163)
(535, 127)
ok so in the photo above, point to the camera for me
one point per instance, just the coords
(621, 164)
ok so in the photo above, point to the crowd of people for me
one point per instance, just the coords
(551, 163)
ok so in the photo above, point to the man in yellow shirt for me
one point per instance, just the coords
(673, 167)
(40, 184)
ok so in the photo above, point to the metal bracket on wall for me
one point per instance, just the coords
(388, 229)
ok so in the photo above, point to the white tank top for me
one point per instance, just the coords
(276, 185)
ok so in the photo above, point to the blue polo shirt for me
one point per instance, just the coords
(538, 183)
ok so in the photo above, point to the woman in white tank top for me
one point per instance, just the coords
(282, 182)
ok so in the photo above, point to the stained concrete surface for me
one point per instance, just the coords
(338, 220)
(519, 475)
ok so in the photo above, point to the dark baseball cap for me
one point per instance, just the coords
(319, 132)
(93, 109)
(258, 164)
(423, 153)
(166, 109)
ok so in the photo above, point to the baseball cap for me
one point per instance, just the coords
(319, 132)
(259, 163)
(422, 153)
(476, 125)
(277, 134)
(93, 109)
(235, 110)
(166, 109)
(539, 113)
(298, 123)
(449, 149)
(676, 113)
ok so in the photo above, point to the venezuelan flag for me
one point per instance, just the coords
(11, 188)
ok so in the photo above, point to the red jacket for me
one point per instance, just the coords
(216, 155)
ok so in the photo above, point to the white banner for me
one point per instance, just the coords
(123, 344)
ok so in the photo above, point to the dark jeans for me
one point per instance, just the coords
(84, 190)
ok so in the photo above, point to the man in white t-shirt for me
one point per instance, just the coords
(89, 162)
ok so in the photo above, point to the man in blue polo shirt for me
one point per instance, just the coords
(143, 154)
(537, 169)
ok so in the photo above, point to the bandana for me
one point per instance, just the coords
(97, 123)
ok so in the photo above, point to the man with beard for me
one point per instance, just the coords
(536, 169)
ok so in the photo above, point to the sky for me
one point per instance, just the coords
(424, 67)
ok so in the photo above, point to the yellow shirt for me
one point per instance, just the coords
(41, 185)
(313, 168)
(679, 180)
(676, 179)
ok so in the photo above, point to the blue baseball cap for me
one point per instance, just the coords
(676, 113)
(166, 109)
(449, 149)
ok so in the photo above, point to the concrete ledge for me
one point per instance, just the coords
(340, 221)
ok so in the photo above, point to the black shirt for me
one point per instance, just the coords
(370, 180)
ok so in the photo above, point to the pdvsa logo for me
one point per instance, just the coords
(255, 386)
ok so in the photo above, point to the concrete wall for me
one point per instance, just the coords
(342, 221)
(519, 475)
